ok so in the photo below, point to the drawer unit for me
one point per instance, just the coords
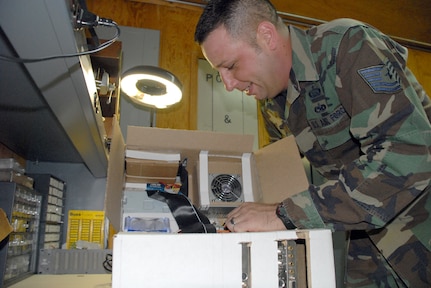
(53, 191)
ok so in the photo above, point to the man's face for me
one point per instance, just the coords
(241, 66)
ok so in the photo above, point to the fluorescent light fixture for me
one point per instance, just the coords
(151, 86)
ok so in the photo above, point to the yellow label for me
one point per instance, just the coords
(85, 225)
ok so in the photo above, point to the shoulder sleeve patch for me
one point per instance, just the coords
(381, 78)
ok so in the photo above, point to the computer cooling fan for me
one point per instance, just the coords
(226, 188)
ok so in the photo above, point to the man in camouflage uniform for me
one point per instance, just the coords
(359, 116)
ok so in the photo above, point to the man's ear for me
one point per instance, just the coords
(267, 34)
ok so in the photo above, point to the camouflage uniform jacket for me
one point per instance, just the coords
(363, 121)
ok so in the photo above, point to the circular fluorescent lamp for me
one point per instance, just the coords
(151, 86)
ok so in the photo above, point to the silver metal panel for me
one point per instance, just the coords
(73, 261)
(42, 28)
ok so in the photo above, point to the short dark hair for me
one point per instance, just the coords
(240, 18)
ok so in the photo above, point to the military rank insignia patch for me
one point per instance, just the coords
(381, 78)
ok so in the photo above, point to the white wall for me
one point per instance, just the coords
(223, 111)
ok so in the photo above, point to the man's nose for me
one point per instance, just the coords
(228, 80)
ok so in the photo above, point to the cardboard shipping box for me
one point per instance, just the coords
(272, 173)
(268, 175)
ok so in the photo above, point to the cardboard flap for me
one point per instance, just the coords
(5, 227)
(151, 168)
(115, 179)
(150, 171)
(188, 143)
(280, 170)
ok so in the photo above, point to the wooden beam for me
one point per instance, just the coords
(407, 24)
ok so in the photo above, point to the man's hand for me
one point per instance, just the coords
(254, 217)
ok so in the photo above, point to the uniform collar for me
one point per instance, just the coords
(303, 68)
(302, 63)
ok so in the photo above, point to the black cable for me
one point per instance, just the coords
(99, 21)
